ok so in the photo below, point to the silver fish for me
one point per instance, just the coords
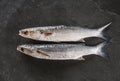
(62, 33)
(61, 51)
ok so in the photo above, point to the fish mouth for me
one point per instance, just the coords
(23, 33)
(19, 48)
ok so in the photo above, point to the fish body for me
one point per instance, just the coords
(61, 33)
(61, 51)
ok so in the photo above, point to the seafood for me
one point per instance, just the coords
(61, 51)
(62, 33)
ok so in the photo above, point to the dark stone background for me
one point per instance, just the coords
(18, 14)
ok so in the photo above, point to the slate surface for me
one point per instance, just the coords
(18, 14)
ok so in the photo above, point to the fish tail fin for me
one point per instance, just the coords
(100, 30)
(100, 50)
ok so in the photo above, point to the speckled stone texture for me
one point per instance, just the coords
(19, 14)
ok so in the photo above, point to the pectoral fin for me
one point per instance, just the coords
(82, 40)
(42, 53)
(81, 58)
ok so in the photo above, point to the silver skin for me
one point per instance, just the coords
(61, 51)
(61, 33)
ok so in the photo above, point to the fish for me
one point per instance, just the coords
(62, 33)
(62, 51)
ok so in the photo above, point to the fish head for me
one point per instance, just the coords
(27, 49)
(35, 33)
(29, 33)
(33, 51)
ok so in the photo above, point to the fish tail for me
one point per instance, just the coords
(100, 50)
(100, 30)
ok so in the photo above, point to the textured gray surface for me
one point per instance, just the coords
(18, 14)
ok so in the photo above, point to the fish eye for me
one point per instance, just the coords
(22, 49)
(25, 32)
(41, 32)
